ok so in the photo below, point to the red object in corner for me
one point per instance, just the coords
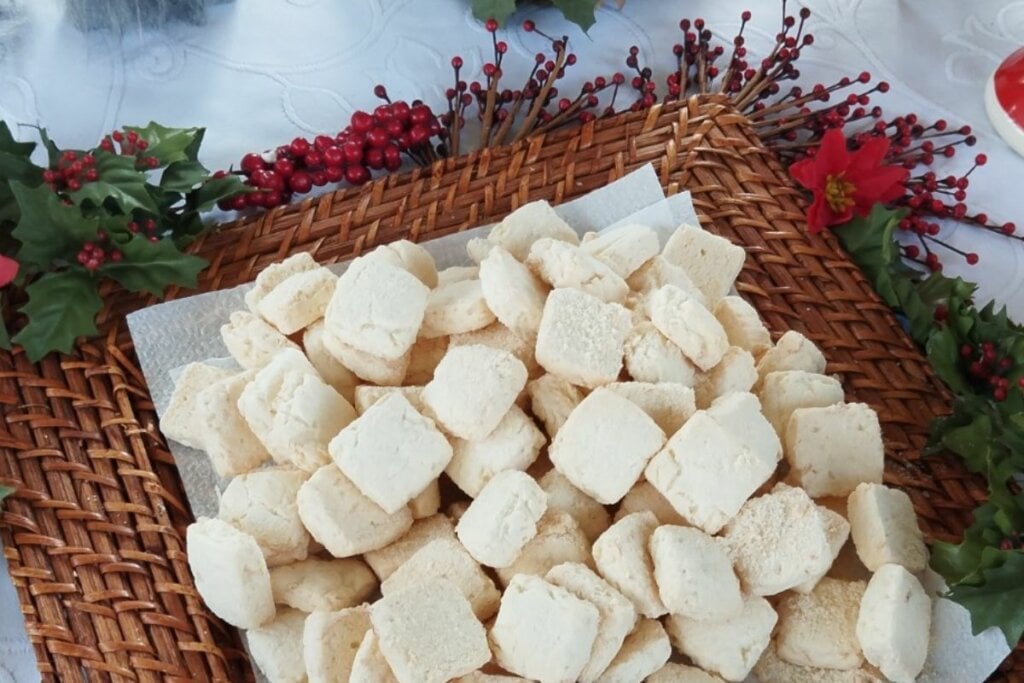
(1009, 86)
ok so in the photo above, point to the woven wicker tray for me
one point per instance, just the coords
(93, 535)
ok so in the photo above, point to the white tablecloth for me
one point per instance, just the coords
(260, 72)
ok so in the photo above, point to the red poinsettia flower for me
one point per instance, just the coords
(845, 182)
(8, 270)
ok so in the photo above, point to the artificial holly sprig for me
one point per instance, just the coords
(979, 354)
(121, 211)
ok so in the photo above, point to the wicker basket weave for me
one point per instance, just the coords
(93, 534)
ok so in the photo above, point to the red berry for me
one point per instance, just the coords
(357, 175)
(353, 151)
(392, 158)
(251, 162)
(361, 122)
(50, 176)
(238, 202)
(299, 147)
(394, 127)
(300, 182)
(152, 162)
(378, 137)
(400, 110)
(335, 174)
(314, 159)
(1008, 228)
(142, 145)
(284, 168)
(149, 225)
(491, 25)
(272, 181)
(133, 137)
(106, 145)
(319, 178)
(374, 158)
(420, 114)
(382, 113)
(999, 394)
(418, 135)
(322, 142)
(972, 258)
(133, 227)
(456, 62)
(272, 199)
(966, 350)
(380, 91)
(117, 135)
(257, 177)
(69, 156)
(74, 184)
(333, 156)
(116, 256)
(529, 26)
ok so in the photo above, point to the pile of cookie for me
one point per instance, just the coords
(577, 460)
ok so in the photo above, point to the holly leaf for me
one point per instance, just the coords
(215, 189)
(47, 229)
(5, 491)
(11, 146)
(5, 336)
(153, 266)
(973, 443)
(52, 151)
(943, 350)
(579, 12)
(170, 144)
(183, 176)
(499, 10)
(963, 561)
(15, 162)
(997, 600)
(120, 183)
(61, 307)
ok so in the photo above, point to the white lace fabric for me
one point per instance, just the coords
(260, 72)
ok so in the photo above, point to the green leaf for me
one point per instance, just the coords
(183, 176)
(973, 443)
(52, 151)
(120, 183)
(5, 491)
(153, 266)
(943, 349)
(499, 10)
(170, 144)
(579, 12)
(962, 562)
(61, 307)
(998, 600)
(15, 161)
(5, 336)
(11, 146)
(870, 242)
(47, 229)
(215, 189)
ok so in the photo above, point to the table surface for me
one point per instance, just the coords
(260, 72)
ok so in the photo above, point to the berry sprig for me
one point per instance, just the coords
(371, 142)
(71, 172)
(989, 368)
(94, 254)
(128, 143)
